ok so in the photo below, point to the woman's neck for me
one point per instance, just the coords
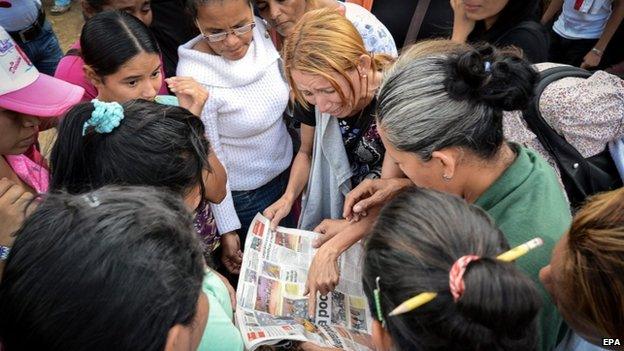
(480, 175)
(489, 22)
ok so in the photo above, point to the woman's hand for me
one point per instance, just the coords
(191, 95)
(328, 228)
(310, 346)
(323, 275)
(591, 59)
(278, 210)
(371, 193)
(462, 25)
(16, 203)
(231, 254)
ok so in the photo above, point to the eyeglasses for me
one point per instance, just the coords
(213, 38)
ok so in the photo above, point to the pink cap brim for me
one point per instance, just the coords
(45, 97)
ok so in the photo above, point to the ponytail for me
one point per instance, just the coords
(153, 145)
(502, 302)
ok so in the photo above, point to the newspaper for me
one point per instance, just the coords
(271, 307)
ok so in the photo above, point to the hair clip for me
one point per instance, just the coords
(425, 297)
(487, 66)
(91, 200)
(377, 296)
(456, 275)
(105, 117)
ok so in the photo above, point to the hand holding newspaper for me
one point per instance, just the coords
(271, 308)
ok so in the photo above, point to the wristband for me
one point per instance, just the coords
(4, 252)
(597, 51)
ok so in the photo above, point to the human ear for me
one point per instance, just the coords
(174, 338)
(364, 64)
(381, 338)
(92, 76)
(448, 162)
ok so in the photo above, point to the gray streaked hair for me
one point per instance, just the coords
(454, 99)
(418, 115)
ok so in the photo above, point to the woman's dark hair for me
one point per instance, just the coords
(513, 13)
(111, 38)
(454, 100)
(416, 240)
(113, 269)
(155, 145)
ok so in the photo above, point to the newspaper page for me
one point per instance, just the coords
(271, 307)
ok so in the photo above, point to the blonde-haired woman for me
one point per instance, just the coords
(328, 67)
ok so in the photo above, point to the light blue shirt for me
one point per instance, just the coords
(573, 342)
(586, 23)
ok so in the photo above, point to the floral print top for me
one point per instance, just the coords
(588, 112)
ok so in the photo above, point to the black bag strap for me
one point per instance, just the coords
(552, 74)
(574, 169)
(416, 22)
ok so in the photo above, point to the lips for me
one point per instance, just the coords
(282, 26)
(471, 8)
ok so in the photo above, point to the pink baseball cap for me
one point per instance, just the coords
(23, 89)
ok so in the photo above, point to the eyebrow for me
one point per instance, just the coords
(139, 76)
(131, 78)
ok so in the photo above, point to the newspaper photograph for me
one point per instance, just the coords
(271, 308)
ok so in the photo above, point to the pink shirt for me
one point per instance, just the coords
(70, 70)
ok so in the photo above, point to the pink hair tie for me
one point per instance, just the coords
(456, 275)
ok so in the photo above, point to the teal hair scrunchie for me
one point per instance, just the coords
(105, 117)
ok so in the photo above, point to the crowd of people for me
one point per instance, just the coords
(437, 134)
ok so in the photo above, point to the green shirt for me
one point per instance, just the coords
(527, 202)
(220, 334)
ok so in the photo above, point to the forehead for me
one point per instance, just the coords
(223, 14)
(141, 64)
(309, 81)
(124, 4)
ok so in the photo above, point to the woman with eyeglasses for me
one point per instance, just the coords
(235, 60)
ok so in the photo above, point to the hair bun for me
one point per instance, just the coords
(500, 80)
(497, 291)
